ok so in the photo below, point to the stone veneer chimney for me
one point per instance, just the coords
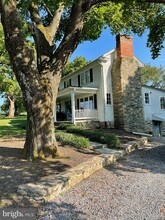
(126, 86)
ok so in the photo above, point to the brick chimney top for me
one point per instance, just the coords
(124, 46)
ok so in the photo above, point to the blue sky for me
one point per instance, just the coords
(107, 42)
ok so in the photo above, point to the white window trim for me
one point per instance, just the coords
(84, 73)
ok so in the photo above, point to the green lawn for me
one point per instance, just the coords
(12, 126)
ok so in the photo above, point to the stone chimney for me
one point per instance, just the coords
(124, 46)
(126, 87)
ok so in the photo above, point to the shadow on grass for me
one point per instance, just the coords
(141, 161)
(16, 171)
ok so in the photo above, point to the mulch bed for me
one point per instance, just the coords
(15, 171)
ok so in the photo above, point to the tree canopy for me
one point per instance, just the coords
(120, 16)
(153, 76)
(9, 87)
(75, 65)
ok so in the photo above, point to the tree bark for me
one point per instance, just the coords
(39, 88)
(11, 113)
(40, 135)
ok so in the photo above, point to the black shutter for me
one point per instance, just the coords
(79, 80)
(95, 101)
(78, 106)
(64, 84)
(91, 75)
(70, 82)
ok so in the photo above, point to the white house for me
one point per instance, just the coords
(154, 109)
(108, 92)
(87, 94)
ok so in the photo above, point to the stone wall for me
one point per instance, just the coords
(148, 128)
(88, 124)
(162, 128)
(95, 124)
(126, 85)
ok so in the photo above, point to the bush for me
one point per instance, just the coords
(98, 136)
(63, 126)
(73, 140)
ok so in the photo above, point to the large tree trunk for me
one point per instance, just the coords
(40, 135)
(11, 113)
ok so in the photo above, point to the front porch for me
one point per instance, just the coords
(77, 103)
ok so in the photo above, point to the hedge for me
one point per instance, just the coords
(73, 140)
(111, 140)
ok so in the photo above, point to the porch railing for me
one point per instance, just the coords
(86, 114)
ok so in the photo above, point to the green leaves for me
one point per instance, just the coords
(119, 15)
(77, 63)
(8, 82)
(153, 76)
(156, 35)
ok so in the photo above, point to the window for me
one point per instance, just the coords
(81, 103)
(146, 98)
(86, 77)
(162, 102)
(86, 103)
(67, 83)
(91, 102)
(108, 98)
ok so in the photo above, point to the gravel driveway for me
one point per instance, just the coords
(131, 189)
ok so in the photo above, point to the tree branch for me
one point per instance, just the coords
(47, 9)
(34, 12)
(72, 35)
(54, 24)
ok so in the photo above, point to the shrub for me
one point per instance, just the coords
(64, 126)
(98, 136)
(73, 140)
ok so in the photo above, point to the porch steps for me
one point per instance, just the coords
(96, 145)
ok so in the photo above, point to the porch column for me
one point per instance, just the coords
(73, 106)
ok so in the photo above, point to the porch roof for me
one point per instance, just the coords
(78, 91)
(159, 117)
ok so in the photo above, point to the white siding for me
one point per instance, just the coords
(154, 105)
(107, 79)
